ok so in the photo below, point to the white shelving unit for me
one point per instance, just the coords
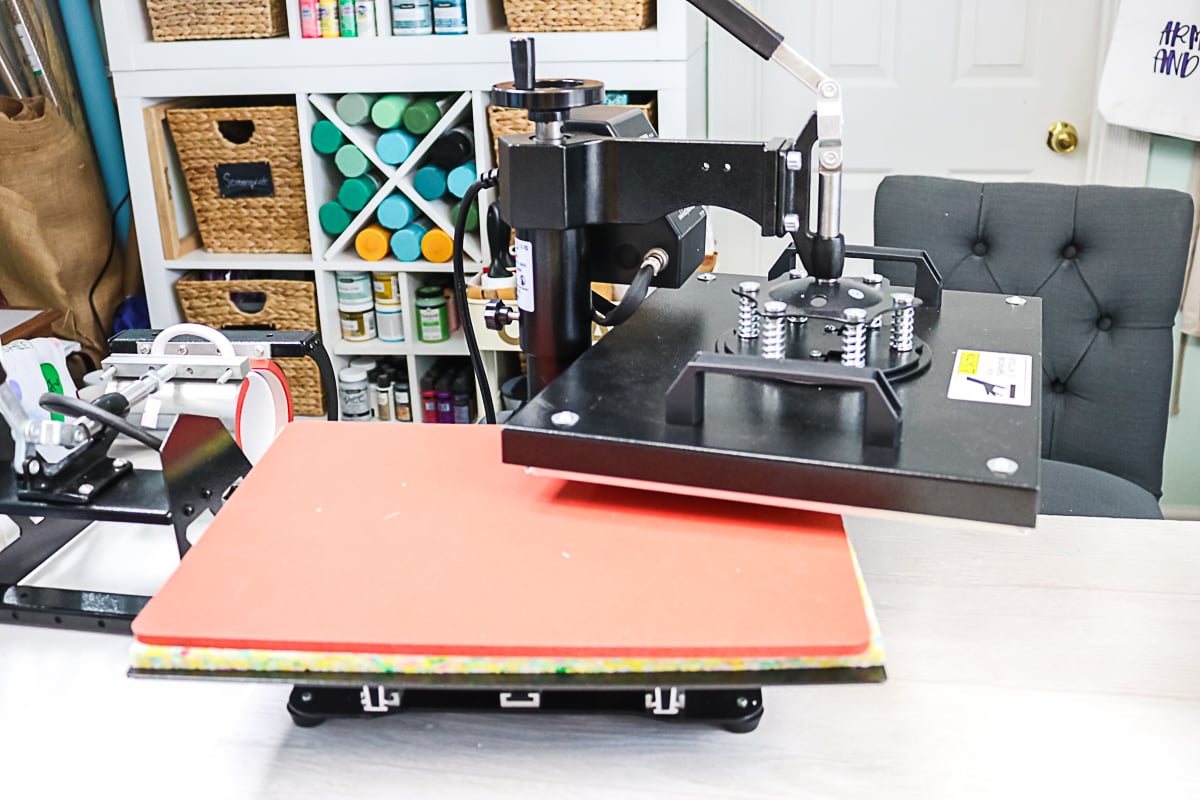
(668, 60)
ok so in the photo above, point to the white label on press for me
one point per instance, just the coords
(983, 377)
(524, 275)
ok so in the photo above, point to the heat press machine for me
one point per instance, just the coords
(67, 470)
(739, 401)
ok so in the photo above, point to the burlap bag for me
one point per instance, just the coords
(54, 223)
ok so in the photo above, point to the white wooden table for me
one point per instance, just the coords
(1060, 664)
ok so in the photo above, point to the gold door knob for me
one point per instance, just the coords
(1062, 137)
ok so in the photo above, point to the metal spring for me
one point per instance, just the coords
(747, 293)
(902, 323)
(774, 330)
(854, 339)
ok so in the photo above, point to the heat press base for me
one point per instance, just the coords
(358, 538)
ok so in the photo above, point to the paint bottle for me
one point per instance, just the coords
(327, 19)
(429, 397)
(395, 146)
(445, 399)
(354, 108)
(430, 182)
(437, 246)
(354, 288)
(454, 147)
(354, 394)
(460, 179)
(472, 215)
(388, 110)
(403, 405)
(364, 18)
(449, 16)
(423, 114)
(462, 398)
(433, 321)
(372, 242)
(327, 137)
(310, 27)
(396, 212)
(347, 21)
(333, 218)
(355, 193)
(412, 17)
(406, 243)
(383, 17)
(385, 401)
(389, 321)
(350, 161)
(385, 286)
(357, 321)
(452, 309)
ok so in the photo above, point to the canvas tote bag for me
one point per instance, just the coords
(1151, 78)
(54, 223)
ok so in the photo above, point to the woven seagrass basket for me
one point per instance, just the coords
(176, 20)
(287, 305)
(265, 140)
(535, 16)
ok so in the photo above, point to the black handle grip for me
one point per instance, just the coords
(743, 24)
(524, 62)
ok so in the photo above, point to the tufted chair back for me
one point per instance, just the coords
(1108, 264)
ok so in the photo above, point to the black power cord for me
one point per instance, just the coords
(639, 289)
(75, 407)
(486, 181)
(112, 248)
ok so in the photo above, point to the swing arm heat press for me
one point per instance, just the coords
(830, 392)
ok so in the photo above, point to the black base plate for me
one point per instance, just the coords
(735, 710)
(790, 441)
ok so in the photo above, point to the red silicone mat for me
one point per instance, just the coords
(392, 538)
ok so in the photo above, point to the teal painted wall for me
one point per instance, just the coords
(1170, 168)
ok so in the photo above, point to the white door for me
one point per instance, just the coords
(954, 88)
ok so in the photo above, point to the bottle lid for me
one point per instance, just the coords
(352, 375)
(326, 137)
(460, 179)
(350, 161)
(421, 116)
(430, 293)
(333, 218)
(388, 110)
(406, 244)
(371, 243)
(365, 363)
(472, 215)
(437, 246)
(395, 146)
(354, 109)
(430, 182)
(357, 192)
(396, 212)
(355, 306)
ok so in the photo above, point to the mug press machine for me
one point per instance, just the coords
(811, 390)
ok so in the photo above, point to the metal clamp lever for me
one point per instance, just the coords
(882, 417)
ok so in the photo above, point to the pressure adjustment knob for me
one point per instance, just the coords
(497, 315)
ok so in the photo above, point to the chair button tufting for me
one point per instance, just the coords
(1104, 323)
(980, 249)
(1069, 251)
(1057, 386)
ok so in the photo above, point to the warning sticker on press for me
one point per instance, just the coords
(983, 377)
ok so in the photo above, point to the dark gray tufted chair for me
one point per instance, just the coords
(1108, 264)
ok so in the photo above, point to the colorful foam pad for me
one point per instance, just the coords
(415, 539)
